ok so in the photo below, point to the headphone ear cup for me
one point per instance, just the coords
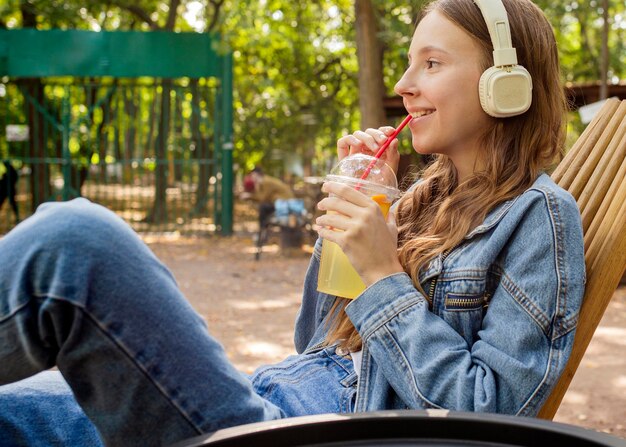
(483, 87)
(505, 92)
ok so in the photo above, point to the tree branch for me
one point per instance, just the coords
(29, 14)
(217, 4)
(137, 11)
(326, 66)
(171, 15)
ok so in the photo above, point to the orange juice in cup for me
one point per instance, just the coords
(336, 275)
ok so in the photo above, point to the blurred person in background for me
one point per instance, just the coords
(8, 187)
(265, 190)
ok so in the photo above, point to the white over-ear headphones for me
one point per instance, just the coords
(506, 88)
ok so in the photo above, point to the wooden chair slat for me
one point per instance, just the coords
(581, 175)
(607, 167)
(603, 210)
(593, 216)
(602, 280)
(579, 152)
(610, 223)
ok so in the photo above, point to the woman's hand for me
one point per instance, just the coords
(355, 223)
(368, 142)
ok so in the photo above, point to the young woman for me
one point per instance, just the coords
(472, 298)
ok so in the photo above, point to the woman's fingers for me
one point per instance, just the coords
(338, 205)
(342, 229)
(345, 192)
(387, 130)
(344, 144)
(372, 140)
(333, 221)
(367, 141)
(391, 155)
(346, 209)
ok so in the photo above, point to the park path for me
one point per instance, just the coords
(250, 307)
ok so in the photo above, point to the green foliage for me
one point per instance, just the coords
(295, 64)
(295, 78)
(578, 29)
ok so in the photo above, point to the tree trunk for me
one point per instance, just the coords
(159, 210)
(178, 155)
(201, 152)
(371, 84)
(102, 135)
(131, 107)
(39, 177)
(152, 119)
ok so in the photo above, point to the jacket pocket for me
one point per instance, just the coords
(455, 302)
(464, 312)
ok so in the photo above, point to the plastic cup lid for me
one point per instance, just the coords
(381, 178)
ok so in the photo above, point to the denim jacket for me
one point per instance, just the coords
(497, 327)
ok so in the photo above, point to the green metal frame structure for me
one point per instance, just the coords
(128, 62)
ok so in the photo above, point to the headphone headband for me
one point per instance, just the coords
(506, 88)
(497, 21)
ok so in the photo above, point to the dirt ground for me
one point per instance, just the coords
(250, 307)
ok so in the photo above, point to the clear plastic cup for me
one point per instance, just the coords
(336, 275)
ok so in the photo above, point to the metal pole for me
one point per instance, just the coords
(216, 158)
(227, 145)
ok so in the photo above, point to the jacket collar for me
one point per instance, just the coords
(493, 218)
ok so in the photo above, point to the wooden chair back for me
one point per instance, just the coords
(594, 172)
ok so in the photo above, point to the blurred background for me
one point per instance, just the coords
(158, 108)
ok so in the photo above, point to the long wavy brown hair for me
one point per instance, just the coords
(440, 212)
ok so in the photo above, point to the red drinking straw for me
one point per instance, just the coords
(385, 145)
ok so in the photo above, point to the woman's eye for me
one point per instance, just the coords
(431, 63)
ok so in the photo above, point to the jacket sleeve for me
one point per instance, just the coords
(526, 334)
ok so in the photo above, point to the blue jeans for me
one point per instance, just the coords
(80, 291)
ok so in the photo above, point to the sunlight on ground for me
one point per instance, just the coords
(615, 335)
(260, 349)
(250, 354)
(258, 305)
(575, 398)
(591, 364)
(173, 236)
(274, 248)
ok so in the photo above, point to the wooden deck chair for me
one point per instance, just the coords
(594, 172)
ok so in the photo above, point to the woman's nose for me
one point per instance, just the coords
(405, 86)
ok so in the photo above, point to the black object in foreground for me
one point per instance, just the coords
(430, 428)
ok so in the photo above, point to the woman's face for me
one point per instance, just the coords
(440, 90)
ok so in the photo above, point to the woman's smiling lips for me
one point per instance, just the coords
(420, 115)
